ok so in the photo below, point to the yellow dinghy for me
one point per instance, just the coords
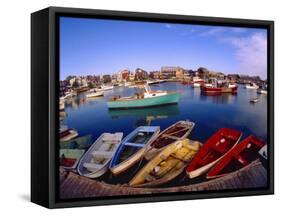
(166, 165)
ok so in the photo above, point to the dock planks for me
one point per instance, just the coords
(75, 186)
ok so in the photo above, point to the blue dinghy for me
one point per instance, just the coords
(132, 148)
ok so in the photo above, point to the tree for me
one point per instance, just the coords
(91, 85)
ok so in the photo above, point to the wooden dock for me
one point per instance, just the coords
(75, 186)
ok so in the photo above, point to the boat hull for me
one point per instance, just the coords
(118, 167)
(218, 90)
(97, 94)
(171, 98)
(170, 162)
(262, 92)
(238, 157)
(212, 151)
(152, 151)
(128, 163)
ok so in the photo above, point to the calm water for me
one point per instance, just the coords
(210, 113)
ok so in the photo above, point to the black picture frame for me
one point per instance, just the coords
(45, 96)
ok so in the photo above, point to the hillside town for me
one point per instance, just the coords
(166, 73)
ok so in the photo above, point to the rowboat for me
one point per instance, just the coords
(132, 148)
(67, 134)
(251, 86)
(238, 157)
(167, 165)
(262, 91)
(70, 157)
(197, 82)
(94, 93)
(104, 88)
(177, 131)
(148, 98)
(95, 162)
(254, 100)
(83, 142)
(212, 151)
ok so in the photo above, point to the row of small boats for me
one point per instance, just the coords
(167, 154)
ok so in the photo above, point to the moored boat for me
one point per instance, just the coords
(254, 100)
(94, 93)
(166, 165)
(212, 151)
(83, 142)
(196, 85)
(197, 82)
(262, 91)
(151, 82)
(148, 98)
(215, 86)
(67, 134)
(72, 150)
(177, 131)
(238, 157)
(104, 88)
(251, 86)
(228, 88)
(132, 148)
(95, 162)
(69, 157)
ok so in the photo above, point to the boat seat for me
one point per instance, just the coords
(102, 153)
(111, 138)
(92, 166)
(148, 177)
(169, 136)
(219, 150)
(242, 160)
(139, 145)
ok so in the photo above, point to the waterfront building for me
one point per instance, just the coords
(154, 74)
(244, 79)
(180, 73)
(131, 76)
(168, 72)
(106, 78)
(141, 74)
(84, 82)
(233, 77)
(124, 75)
(71, 81)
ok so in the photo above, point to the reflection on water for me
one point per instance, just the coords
(219, 98)
(145, 116)
(209, 112)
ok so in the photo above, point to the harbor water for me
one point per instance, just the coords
(209, 112)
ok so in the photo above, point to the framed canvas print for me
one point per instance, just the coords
(138, 107)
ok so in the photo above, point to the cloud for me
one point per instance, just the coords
(251, 53)
(213, 32)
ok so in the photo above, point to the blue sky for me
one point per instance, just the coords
(96, 46)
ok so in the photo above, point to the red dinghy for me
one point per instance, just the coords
(212, 151)
(238, 157)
